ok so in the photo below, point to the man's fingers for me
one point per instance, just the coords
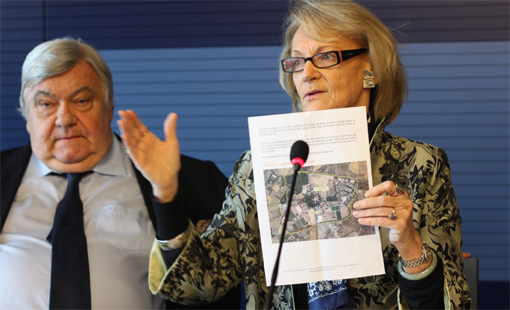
(170, 127)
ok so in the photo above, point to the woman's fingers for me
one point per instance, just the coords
(388, 187)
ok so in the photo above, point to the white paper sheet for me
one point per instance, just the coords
(323, 240)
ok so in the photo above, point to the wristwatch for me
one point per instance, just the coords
(425, 257)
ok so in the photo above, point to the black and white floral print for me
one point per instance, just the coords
(229, 251)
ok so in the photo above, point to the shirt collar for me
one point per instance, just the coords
(116, 163)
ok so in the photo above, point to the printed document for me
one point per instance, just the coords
(323, 241)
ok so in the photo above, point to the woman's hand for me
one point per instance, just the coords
(159, 161)
(387, 206)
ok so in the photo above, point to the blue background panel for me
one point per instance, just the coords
(215, 64)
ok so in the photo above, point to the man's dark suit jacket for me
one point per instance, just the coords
(201, 184)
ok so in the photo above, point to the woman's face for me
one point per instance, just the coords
(339, 86)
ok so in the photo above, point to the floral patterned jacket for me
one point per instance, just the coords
(229, 251)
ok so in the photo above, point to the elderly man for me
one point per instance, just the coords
(77, 218)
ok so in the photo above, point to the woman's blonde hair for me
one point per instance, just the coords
(348, 19)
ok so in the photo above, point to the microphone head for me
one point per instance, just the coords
(299, 153)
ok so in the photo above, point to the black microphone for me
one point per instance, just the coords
(298, 156)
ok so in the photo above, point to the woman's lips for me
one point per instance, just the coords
(312, 94)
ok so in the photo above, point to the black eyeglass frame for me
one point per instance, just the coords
(340, 55)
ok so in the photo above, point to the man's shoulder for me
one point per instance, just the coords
(193, 169)
(202, 186)
(14, 150)
(13, 165)
(188, 160)
(191, 164)
(15, 156)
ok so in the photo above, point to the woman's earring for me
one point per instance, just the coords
(368, 79)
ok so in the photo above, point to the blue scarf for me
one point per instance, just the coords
(327, 294)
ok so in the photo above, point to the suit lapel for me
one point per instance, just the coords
(13, 162)
(145, 188)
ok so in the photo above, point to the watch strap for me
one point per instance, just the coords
(425, 257)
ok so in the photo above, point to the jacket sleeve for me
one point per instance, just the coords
(209, 264)
(438, 220)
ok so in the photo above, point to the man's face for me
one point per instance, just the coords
(68, 122)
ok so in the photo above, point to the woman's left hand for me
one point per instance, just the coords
(387, 206)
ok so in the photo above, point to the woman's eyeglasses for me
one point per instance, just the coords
(321, 60)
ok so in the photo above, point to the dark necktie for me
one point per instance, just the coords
(70, 279)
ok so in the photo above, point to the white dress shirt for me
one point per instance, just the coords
(118, 229)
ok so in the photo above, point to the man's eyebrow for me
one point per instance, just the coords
(74, 93)
(44, 93)
(80, 89)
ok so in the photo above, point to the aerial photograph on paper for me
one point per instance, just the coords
(322, 205)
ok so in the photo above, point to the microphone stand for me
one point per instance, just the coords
(269, 301)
